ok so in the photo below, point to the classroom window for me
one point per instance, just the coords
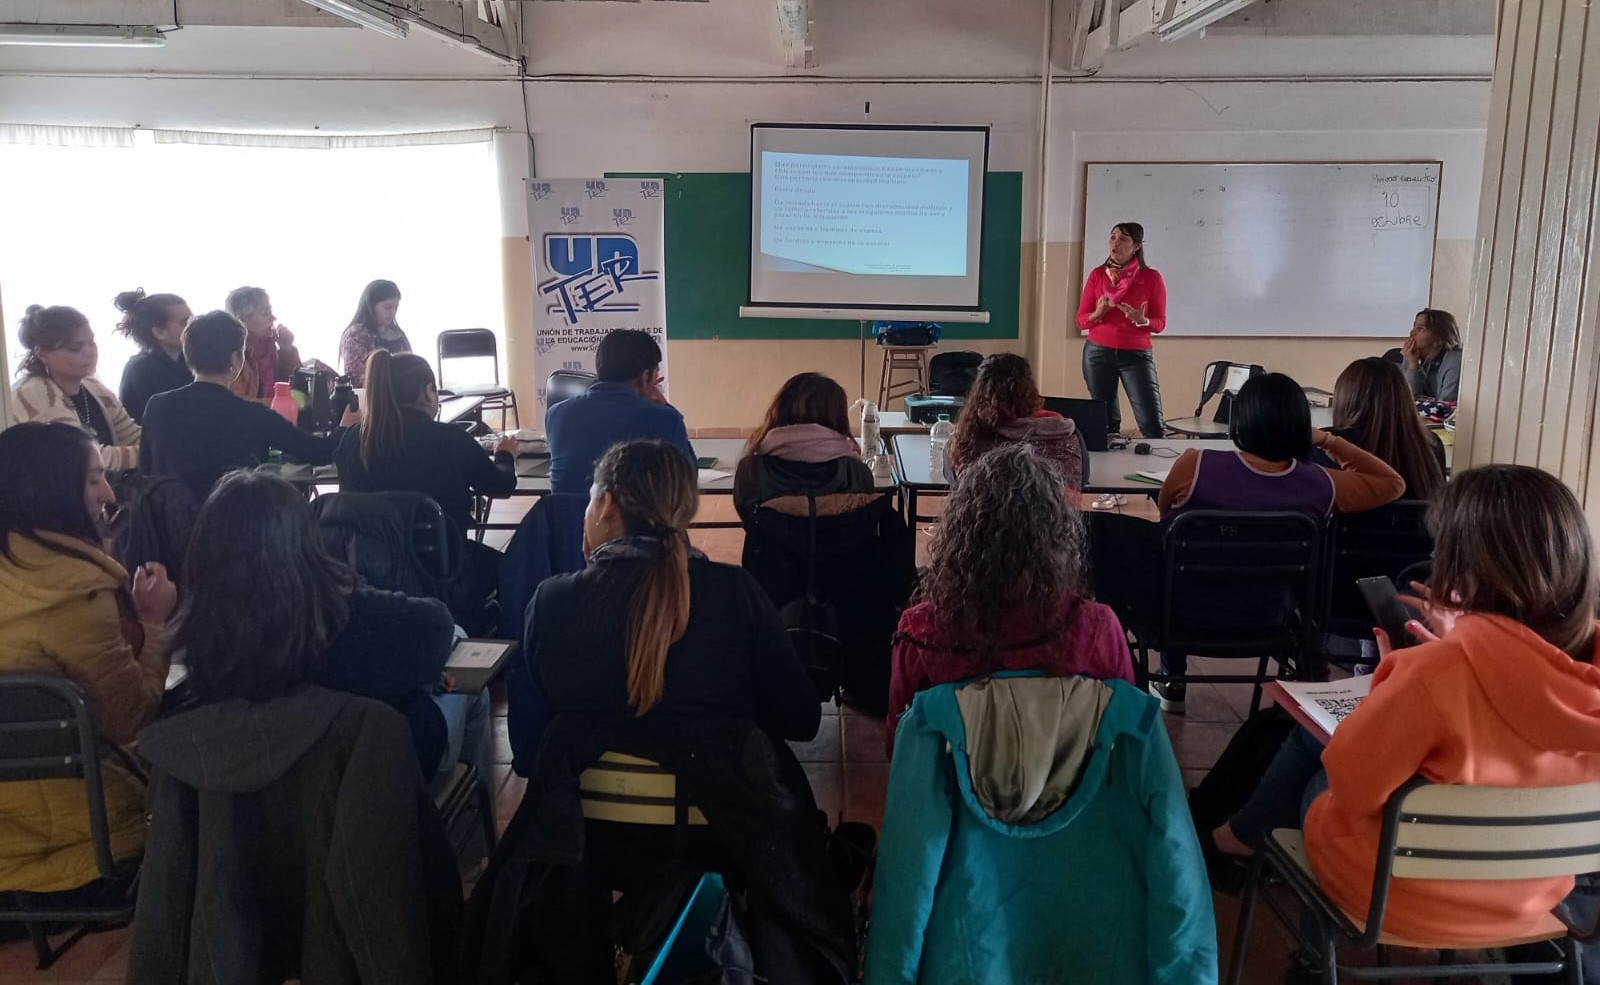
(81, 220)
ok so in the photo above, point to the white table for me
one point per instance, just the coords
(893, 422)
(1205, 427)
(1106, 471)
(454, 408)
(727, 452)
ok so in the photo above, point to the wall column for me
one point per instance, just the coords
(516, 274)
(1531, 363)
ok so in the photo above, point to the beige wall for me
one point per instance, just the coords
(1181, 360)
(728, 383)
(673, 87)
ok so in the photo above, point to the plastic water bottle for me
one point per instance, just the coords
(283, 402)
(938, 441)
(871, 439)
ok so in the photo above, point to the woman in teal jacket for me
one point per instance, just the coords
(1063, 853)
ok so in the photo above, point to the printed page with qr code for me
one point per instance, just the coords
(1328, 702)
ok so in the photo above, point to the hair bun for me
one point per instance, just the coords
(127, 299)
(33, 309)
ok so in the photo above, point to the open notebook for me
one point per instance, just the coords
(1328, 702)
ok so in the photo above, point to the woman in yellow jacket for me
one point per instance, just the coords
(67, 608)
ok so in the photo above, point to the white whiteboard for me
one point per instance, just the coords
(1276, 249)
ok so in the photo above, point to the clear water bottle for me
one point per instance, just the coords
(871, 438)
(938, 442)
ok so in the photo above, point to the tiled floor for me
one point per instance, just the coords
(846, 763)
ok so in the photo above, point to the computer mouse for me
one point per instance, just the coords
(1142, 448)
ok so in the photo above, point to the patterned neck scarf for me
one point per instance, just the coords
(1122, 276)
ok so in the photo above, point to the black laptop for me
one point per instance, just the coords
(1091, 416)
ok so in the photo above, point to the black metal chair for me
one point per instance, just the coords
(1385, 541)
(1440, 831)
(565, 384)
(1233, 584)
(463, 795)
(1224, 377)
(478, 343)
(47, 733)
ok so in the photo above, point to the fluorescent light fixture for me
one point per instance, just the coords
(1196, 16)
(367, 15)
(81, 35)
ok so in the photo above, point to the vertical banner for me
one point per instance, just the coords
(597, 266)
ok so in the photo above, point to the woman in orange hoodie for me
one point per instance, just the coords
(1503, 691)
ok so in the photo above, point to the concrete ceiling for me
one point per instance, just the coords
(775, 38)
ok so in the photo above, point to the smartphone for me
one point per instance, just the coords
(1388, 611)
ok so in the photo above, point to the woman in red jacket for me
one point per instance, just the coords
(1005, 586)
(1124, 303)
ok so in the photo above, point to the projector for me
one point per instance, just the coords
(924, 409)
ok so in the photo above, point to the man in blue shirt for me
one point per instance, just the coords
(625, 404)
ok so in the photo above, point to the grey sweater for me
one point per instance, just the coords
(1439, 378)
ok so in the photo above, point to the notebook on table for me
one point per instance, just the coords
(475, 663)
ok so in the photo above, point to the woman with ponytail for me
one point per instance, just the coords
(653, 627)
(155, 322)
(399, 447)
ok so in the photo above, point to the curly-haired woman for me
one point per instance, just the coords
(1005, 588)
(1004, 407)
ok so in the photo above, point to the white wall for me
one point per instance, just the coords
(727, 60)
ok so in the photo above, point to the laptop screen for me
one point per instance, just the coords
(1237, 375)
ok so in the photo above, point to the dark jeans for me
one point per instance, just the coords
(1103, 366)
(1285, 793)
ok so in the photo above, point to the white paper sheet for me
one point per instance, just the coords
(476, 654)
(1328, 702)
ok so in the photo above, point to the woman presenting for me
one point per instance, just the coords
(1124, 303)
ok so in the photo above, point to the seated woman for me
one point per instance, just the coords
(1004, 406)
(1005, 587)
(261, 583)
(198, 432)
(802, 447)
(373, 327)
(56, 383)
(1503, 691)
(1432, 356)
(155, 322)
(68, 609)
(1269, 469)
(399, 445)
(661, 628)
(1373, 410)
(269, 350)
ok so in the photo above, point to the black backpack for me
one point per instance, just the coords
(813, 624)
(951, 374)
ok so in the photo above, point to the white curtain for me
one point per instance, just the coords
(85, 214)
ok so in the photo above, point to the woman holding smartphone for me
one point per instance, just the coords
(1124, 303)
